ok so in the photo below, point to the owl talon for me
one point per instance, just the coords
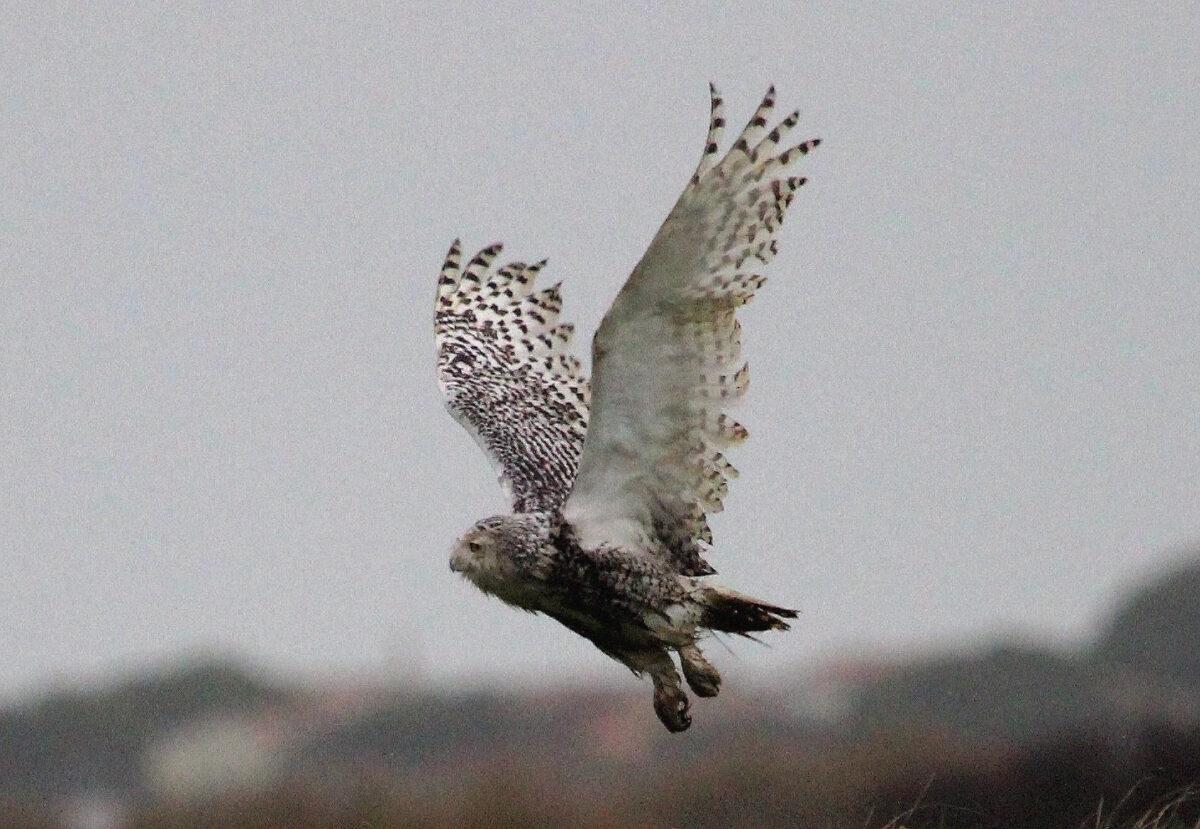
(671, 704)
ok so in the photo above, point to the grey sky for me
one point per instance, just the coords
(976, 368)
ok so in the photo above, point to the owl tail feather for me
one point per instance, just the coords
(732, 612)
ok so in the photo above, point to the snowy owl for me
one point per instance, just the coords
(610, 483)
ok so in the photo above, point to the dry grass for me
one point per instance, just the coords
(1172, 812)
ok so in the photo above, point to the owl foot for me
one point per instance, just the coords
(701, 676)
(671, 705)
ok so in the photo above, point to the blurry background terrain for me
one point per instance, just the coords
(974, 415)
(1012, 734)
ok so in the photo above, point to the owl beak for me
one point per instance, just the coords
(458, 559)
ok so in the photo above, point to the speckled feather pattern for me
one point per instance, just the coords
(504, 368)
(601, 590)
(667, 358)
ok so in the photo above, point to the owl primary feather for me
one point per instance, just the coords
(610, 482)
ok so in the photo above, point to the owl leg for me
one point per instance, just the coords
(701, 676)
(670, 702)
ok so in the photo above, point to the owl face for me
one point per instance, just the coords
(494, 555)
(479, 552)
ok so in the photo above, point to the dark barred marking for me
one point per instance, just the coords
(504, 379)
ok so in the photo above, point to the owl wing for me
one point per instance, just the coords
(666, 359)
(506, 376)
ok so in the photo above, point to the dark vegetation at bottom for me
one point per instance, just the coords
(908, 780)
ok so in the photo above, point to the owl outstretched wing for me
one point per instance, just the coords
(666, 359)
(506, 374)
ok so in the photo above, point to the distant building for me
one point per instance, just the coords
(95, 810)
(209, 757)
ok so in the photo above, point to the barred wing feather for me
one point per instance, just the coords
(506, 374)
(666, 359)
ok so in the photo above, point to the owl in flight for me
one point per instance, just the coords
(610, 484)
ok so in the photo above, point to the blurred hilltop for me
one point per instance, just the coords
(1014, 735)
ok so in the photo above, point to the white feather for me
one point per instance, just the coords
(665, 359)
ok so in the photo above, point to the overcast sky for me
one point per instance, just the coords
(976, 367)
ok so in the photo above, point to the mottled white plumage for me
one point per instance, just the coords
(609, 533)
(667, 356)
(506, 375)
